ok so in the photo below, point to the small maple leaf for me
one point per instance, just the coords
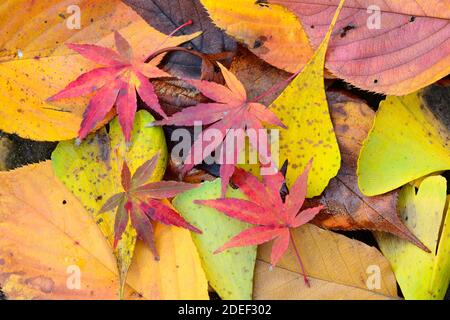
(231, 109)
(140, 203)
(115, 83)
(273, 218)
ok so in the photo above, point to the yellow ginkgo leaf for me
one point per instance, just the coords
(422, 275)
(407, 142)
(273, 34)
(303, 108)
(35, 62)
(51, 248)
(92, 172)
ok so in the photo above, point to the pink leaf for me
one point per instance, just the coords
(279, 247)
(167, 215)
(126, 177)
(123, 47)
(98, 107)
(403, 51)
(120, 223)
(144, 172)
(100, 55)
(88, 83)
(242, 210)
(126, 108)
(214, 91)
(148, 95)
(250, 237)
(294, 201)
(163, 189)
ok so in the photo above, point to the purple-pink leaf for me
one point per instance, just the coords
(230, 110)
(265, 209)
(144, 202)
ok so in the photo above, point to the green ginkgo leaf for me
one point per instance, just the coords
(230, 273)
(92, 172)
(406, 142)
(422, 275)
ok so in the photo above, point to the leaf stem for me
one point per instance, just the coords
(175, 31)
(168, 49)
(305, 278)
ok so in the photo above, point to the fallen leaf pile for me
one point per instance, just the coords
(269, 149)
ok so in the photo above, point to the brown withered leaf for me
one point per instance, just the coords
(167, 15)
(346, 207)
(174, 95)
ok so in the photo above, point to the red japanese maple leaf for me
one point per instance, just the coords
(231, 109)
(115, 83)
(273, 218)
(141, 203)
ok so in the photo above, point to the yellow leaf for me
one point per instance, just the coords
(303, 108)
(35, 63)
(337, 268)
(274, 34)
(178, 274)
(49, 239)
(406, 142)
(422, 275)
(92, 172)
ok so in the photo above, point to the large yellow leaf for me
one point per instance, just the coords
(48, 239)
(407, 142)
(422, 275)
(35, 63)
(273, 34)
(303, 108)
(337, 267)
(92, 172)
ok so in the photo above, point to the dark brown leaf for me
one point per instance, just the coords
(167, 15)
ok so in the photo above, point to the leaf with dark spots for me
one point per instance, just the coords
(167, 15)
(346, 207)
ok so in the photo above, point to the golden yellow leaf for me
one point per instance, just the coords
(337, 267)
(303, 108)
(35, 63)
(48, 239)
(273, 34)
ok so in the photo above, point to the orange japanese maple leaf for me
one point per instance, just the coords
(231, 113)
(116, 83)
(141, 204)
(273, 218)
